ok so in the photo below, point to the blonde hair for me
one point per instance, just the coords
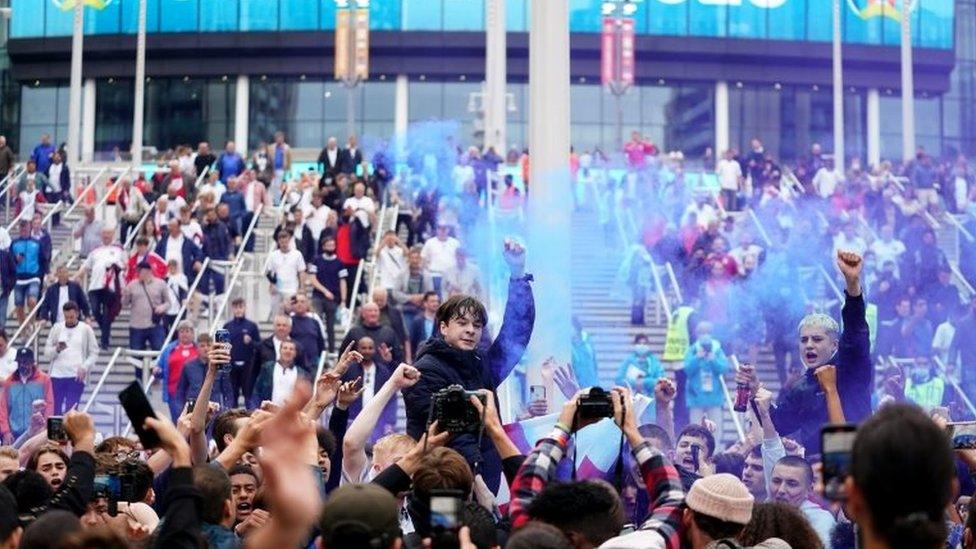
(393, 445)
(820, 320)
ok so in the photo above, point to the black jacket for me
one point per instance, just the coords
(180, 527)
(441, 365)
(348, 160)
(803, 408)
(266, 353)
(329, 169)
(49, 309)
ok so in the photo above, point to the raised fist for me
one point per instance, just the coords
(850, 264)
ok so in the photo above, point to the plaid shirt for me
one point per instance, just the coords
(660, 477)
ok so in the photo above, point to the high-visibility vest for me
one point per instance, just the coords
(677, 339)
(871, 317)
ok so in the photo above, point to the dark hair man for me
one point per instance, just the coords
(455, 356)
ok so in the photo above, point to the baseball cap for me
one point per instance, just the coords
(25, 356)
(722, 496)
(360, 515)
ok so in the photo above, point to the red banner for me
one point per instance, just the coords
(627, 47)
(608, 58)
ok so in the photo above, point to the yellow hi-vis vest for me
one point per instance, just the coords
(677, 340)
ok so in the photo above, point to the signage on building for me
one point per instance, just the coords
(352, 44)
(361, 44)
(617, 52)
(342, 45)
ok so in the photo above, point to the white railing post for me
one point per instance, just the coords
(101, 379)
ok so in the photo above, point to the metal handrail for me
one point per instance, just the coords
(118, 180)
(84, 191)
(662, 298)
(759, 227)
(359, 274)
(728, 399)
(48, 218)
(932, 221)
(864, 222)
(959, 227)
(833, 285)
(318, 372)
(380, 229)
(10, 180)
(10, 227)
(27, 320)
(237, 269)
(965, 398)
(674, 282)
(958, 274)
(101, 379)
(189, 296)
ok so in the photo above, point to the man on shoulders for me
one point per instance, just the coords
(278, 377)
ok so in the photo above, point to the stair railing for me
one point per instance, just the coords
(959, 227)
(134, 231)
(965, 398)
(380, 229)
(359, 273)
(831, 284)
(101, 379)
(8, 183)
(662, 298)
(189, 297)
(674, 283)
(729, 403)
(91, 184)
(759, 227)
(961, 280)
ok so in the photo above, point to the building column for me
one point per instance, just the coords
(242, 99)
(88, 121)
(496, 77)
(721, 119)
(74, 95)
(874, 127)
(401, 111)
(549, 204)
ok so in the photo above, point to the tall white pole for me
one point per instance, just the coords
(549, 203)
(838, 87)
(496, 78)
(74, 101)
(241, 111)
(907, 84)
(874, 127)
(138, 109)
(721, 120)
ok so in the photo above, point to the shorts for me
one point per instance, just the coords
(22, 291)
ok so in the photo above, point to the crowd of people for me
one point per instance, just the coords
(261, 448)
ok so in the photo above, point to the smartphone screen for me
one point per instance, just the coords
(963, 435)
(138, 408)
(444, 512)
(55, 429)
(190, 404)
(537, 392)
(836, 442)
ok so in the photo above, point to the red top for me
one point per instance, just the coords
(344, 246)
(157, 263)
(178, 358)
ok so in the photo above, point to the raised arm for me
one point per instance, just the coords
(827, 376)
(772, 445)
(354, 443)
(516, 330)
(854, 352)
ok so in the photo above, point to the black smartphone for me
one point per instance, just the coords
(445, 517)
(137, 407)
(55, 429)
(537, 392)
(190, 404)
(963, 435)
(696, 456)
(222, 337)
(836, 442)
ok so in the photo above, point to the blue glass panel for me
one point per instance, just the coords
(640, 17)
(464, 15)
(585, 16)
(178, 15)
(57, 22)
(859, 28)
(891, 26)
(300, 14)
(384, 15)
(422, 15)
(786, 22)
(747, 21)
(667, 19)
(516, 16)
(219, 16)
(936, 23)
(130, 16)
(328, 14)
(258, 15)
(707, 20)
(103, 21)
(30, 25)
(819, 20)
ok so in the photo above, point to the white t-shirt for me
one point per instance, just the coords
(62, 299)
(392, 265)
(175, 283)
(286, 266)
(942, 340)
(99, 261)
(174, 251)
(174, 206)
(193, 231)
(362, 208)
(283, 382)
(855, 244)
(888, 251)
(438, 254)
(729, 172)
(67, 362)
(826, 181)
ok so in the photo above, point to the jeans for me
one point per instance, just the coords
(67, 393)
(245, 223)
(327, 308)
(212, 280)
(98, 299)
(24, 291)
(4, 303)
(145, 339)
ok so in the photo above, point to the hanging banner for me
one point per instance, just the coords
(625, 77)
(342, 45)
(608, 52)
(361, 46)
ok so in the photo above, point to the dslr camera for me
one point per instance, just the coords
(453, 411)
(595, 404)
(116, 487)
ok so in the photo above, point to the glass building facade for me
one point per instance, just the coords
(863, 23)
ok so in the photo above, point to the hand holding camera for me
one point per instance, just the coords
(451, 408)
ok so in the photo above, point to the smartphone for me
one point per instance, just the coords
(137, 407)
(696, 456)
(537, 392)
(445, 511)
(963, 435)
(55, 429)
(836, 442)
(190, 404)
(222, 336)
